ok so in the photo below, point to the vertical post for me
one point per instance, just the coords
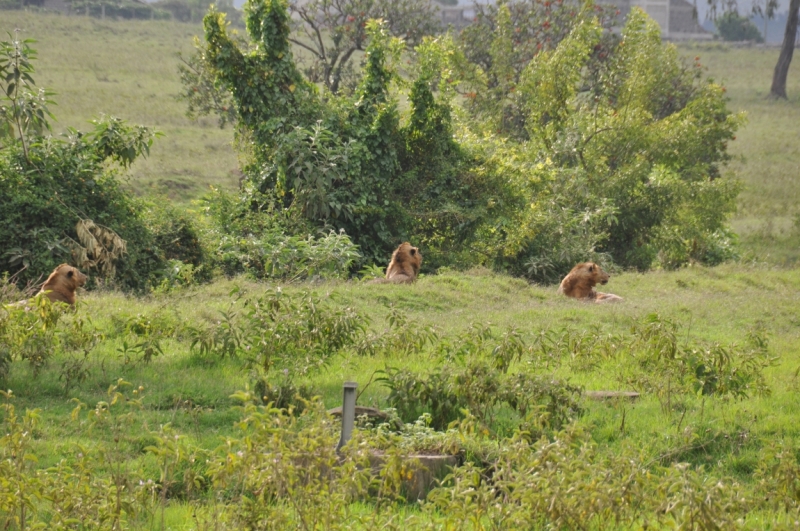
(348, 413)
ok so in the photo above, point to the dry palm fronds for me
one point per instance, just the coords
(99, 248)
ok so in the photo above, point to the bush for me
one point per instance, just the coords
(621, 186)
(48, 186)
(174, 231)
(581, 144)
(59, 183)
(734, 27)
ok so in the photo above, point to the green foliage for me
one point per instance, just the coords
(298, 333)
(734, 27)
(499, 45)
(475, 378)
(21, 486)
(539, 403)
(779, 476)
(582, 144)
(261, 243)
(36, 329)
(554, 484)
(609, 123)
(44, 194)
(24, 109)
(668, 369)
(48, 185)
(343, 162)
(176, 235)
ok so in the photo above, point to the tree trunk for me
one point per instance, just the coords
(778, 89)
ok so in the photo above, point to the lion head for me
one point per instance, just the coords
(62, 284)
(405, 264)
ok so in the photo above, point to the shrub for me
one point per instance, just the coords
(580, 144)
(48, 185)
(734, 27)
(298, 332)
(37, 330)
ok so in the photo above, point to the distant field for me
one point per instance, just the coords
(129, 69)
(766, 149)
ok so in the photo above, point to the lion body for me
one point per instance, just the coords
(62, 284)
(404, 266)
(580, 282)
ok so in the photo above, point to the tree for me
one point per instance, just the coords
(51, 189)
(502, 41)
(766, 9)
(734, 27)
(332, 31)
(778, 89)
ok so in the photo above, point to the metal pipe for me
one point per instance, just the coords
(348, 413)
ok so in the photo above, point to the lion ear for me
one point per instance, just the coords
(413, 251)
(591, 268)
(71, 272)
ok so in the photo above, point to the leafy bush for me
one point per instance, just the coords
(734, 27)
(627, 184)
(579, 143)
(337, 162)
(36, 330)
(49, 185)
(267, 243)
(539, 403)
(475, 378)
(294, 332)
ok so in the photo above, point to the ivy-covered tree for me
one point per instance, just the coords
(345, 161)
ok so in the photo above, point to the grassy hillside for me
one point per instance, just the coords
(767, 155)
(192, 392)
(128, 69)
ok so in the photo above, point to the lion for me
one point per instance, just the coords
(62, 283)
(404, 267)
(580, 282)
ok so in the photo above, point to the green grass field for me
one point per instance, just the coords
(129, 69)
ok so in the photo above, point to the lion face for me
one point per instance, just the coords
(597, 273)
(71, 276)
(62, 283)
(416, 257)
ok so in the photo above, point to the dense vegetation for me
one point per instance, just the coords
(564, 151)
(710, 442)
